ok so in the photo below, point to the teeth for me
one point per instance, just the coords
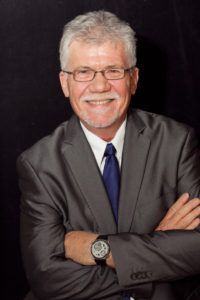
(99, 102)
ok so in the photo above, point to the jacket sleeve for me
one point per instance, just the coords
(163, 256)
(51, 276)
(188, 175)
(156, 257)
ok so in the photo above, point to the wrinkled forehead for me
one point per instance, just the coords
(77, 43)
(80, 50)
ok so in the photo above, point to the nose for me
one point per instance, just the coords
(99, 84)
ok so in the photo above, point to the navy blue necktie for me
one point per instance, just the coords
(111, 178)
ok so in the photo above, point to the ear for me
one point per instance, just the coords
(134, 80)
(64, 83)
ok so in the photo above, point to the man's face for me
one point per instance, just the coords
(100, 103)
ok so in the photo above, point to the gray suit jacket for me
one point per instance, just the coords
(62, 190)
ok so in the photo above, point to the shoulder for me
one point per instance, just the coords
(154, 123)
(161, 129)
(153, 120)
(46, 146)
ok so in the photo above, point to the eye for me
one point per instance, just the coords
(114, 70)
(114, 73)
(80, 72)
(83, 74)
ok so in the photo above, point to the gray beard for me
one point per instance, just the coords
(100, 124)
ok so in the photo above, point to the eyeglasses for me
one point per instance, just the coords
(84, 75)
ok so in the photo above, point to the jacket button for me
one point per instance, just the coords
(141, 275)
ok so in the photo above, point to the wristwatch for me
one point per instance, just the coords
(100, 249)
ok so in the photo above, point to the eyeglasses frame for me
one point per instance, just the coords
(100, 71)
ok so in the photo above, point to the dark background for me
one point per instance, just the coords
(32, 104)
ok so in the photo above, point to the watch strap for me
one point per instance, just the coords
(100, 262)
(102, 237)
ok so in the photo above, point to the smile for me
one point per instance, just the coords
(99, 102)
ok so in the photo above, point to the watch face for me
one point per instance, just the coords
(100, 249)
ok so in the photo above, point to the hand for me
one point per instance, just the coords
(77, 247)
(183, 214)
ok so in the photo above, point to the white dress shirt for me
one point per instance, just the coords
(98, 145)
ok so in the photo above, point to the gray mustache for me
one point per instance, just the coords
(96, 97)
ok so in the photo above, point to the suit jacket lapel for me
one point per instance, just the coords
(135, 154)
(79, 157)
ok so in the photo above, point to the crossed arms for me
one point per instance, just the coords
(183, 214)
(53, 259)
(58, 270)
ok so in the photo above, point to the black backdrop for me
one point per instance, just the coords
(32, 104)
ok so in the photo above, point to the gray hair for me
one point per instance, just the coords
(98, 27)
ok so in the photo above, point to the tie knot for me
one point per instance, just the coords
(110, 150)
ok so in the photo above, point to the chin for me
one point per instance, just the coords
(100, 124)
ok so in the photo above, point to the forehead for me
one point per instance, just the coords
(96, 55)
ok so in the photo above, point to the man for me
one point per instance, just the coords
(85, 235)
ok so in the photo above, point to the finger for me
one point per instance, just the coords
(183, 217)
(195, 223)
(190, 210)
(189, 218)
(177, 205)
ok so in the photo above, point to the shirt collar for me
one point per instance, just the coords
(98, 145)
